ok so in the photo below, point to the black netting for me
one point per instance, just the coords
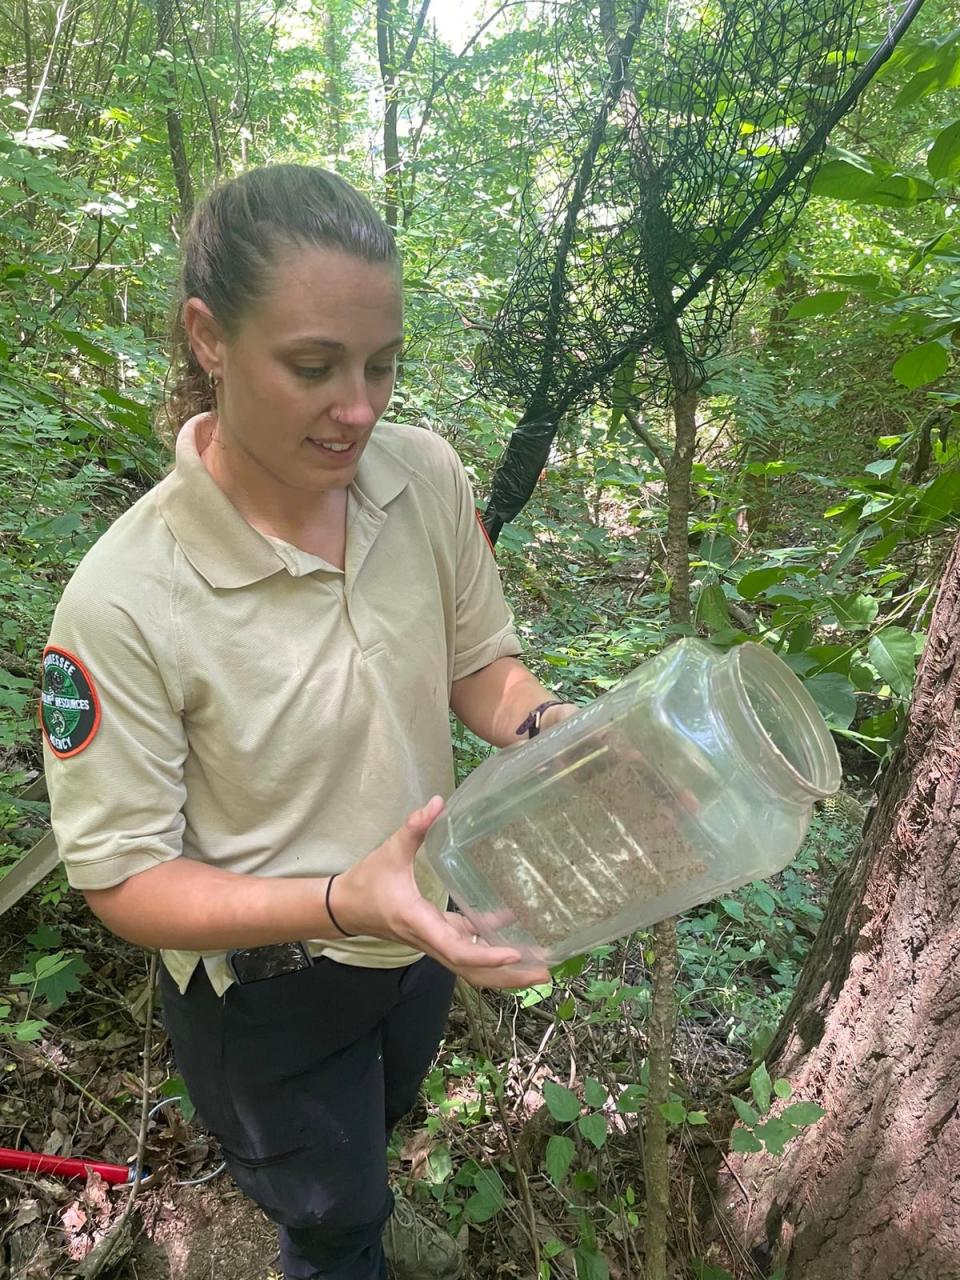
(673, 154)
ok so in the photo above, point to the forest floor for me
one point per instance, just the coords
(76, 1091)
(475, 1154)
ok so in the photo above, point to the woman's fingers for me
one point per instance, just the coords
(506, 978)
(447, 938)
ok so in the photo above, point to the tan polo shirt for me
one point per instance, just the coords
(213, 693)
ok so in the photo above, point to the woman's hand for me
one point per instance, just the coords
(378, 897)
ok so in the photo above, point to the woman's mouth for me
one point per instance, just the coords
(341, 449)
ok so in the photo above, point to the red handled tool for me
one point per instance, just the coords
(68, 1167)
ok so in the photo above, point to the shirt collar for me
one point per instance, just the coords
(214, 536)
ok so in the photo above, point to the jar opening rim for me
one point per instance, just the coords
(811, 760)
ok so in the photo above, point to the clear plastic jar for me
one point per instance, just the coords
(696, 774)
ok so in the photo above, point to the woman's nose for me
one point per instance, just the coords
(353, 407)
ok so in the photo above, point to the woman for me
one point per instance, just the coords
(246, 693)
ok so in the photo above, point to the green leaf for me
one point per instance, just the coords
(943, 158)
(44, 936)
(89, 348)
(56, 982)
(594, 1128)
(901, 191)
(594, 1093)
(940, 500)
(552, 1248)
(758, 580)
(742, 1140)
(176, 1087)
(893, 652)
(845, 179)
(921, 364)
(882, 467)
(733, 909)
(712, 609)
(802, 1113)
(536, 994)
(782, 1088)
(761, 1088)
(775, 1134)
(674, 1112)
(515, 538)
(566, 1009)
(717, 550)
(591, 1264)
(440, 1164)
(571, 968)
(763, 899)
(631, 1100)
(835, 696)
(564, 1105)
(818, 304)
(855, 611)
(488, 1198)
(745, 1112)
(944, 73)
(559, 1157)
(479, 1208)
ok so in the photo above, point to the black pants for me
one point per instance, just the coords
(301, 1079)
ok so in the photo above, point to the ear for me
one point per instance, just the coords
(205, 335)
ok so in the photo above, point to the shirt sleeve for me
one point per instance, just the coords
(114, 741)
(485, 625)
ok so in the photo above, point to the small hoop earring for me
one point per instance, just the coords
(213, 380)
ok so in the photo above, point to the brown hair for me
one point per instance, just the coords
(232, 240)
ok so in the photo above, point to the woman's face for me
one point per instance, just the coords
(309, 371)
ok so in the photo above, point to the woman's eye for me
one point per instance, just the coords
(380, 370)
(318, 371)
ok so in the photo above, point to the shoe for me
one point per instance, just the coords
(417, 1249)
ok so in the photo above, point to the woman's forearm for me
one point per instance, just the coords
(190, 906)
(494, 700)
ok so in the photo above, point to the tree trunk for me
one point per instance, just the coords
(27, 53)
(873, 1031)
(178, 152)
(386, 43)
(679, 470)
(758, 491)
(334, 76)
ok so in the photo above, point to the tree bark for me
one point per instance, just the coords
(873, 1032)
(386, 16)
(27, 53)
(754, 518)
(178, 152)
(334, 75)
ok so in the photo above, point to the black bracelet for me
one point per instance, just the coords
(333, 918)
(531, 726)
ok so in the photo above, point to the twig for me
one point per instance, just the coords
(479, 1030)
(58, 27)
(112, 1248)
(43, 1060)
(653, 445)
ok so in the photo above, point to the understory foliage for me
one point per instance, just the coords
(824, 494)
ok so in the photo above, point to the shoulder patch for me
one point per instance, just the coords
(69, 706)
(483, 529)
